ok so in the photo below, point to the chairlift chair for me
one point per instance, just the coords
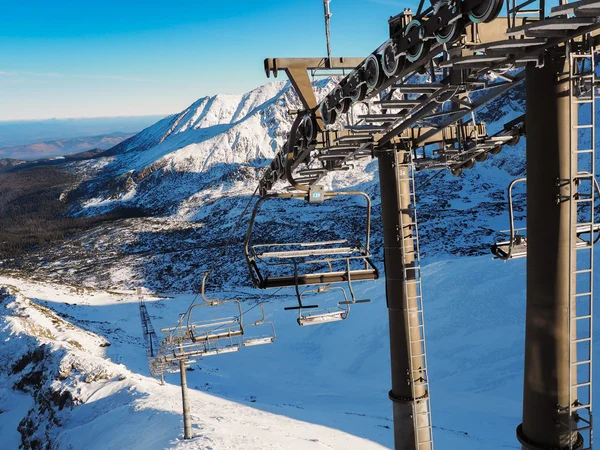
(351, 258)
(333, 313)
(516, 246)
(337, 312)
(191, 338)
(161, 364)
(209, 336)
(266, 331)
(213, 330)
(226, 334)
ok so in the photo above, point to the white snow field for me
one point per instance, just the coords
(314, 388)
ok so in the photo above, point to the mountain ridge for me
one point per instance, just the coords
(195, 170)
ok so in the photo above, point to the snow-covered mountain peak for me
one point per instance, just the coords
(205, 113)
(224, 109)
(214, 136)
(199, 168)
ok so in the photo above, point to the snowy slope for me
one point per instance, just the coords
(83, 400)
(226, 138)
(204, 142)
(315, 387)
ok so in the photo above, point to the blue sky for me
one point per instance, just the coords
(112, 58)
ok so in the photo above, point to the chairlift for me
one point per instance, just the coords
(266, 331)
(237, 328)
(335, 313)
(195, 338)
(161, 364)
(516, 246)
(311, 263)
(209, 336)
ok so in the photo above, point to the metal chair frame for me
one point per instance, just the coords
(517, 244)
(309, 253)
(323, 315)
(514, 239)
(192, 338)
(265, 338)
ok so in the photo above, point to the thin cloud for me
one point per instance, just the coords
(42, 75)
(58, 75)
(110, 77)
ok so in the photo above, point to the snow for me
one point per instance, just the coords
(121, 408)
(316, 387)
(13, 407)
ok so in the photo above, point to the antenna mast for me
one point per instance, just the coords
(327, 34)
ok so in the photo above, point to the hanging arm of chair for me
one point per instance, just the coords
(510, 208)
(511, 218)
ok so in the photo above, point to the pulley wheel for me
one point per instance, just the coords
(309, 128)
(359, 93)
(451, 32)
(469, 164)
(341, 104)
(456, 172)
(328, 114)
(391, 63)
(295, 140)
(418, 48)
(514, 141)
(481, 157)
(374, 76)
(486, 11)
(497, 149)
(300, 143)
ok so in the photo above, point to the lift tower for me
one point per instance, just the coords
(560, 202)
(413, 94)
(410, 385)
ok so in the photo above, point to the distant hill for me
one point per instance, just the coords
(61, 147)
(11, 164)
(24, 132)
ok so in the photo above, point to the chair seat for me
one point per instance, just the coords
(319, 278)
(309, 252)
(502, 249)
(316, 319)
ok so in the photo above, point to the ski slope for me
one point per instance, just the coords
(315, 387)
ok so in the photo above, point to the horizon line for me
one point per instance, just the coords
(41, 119)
